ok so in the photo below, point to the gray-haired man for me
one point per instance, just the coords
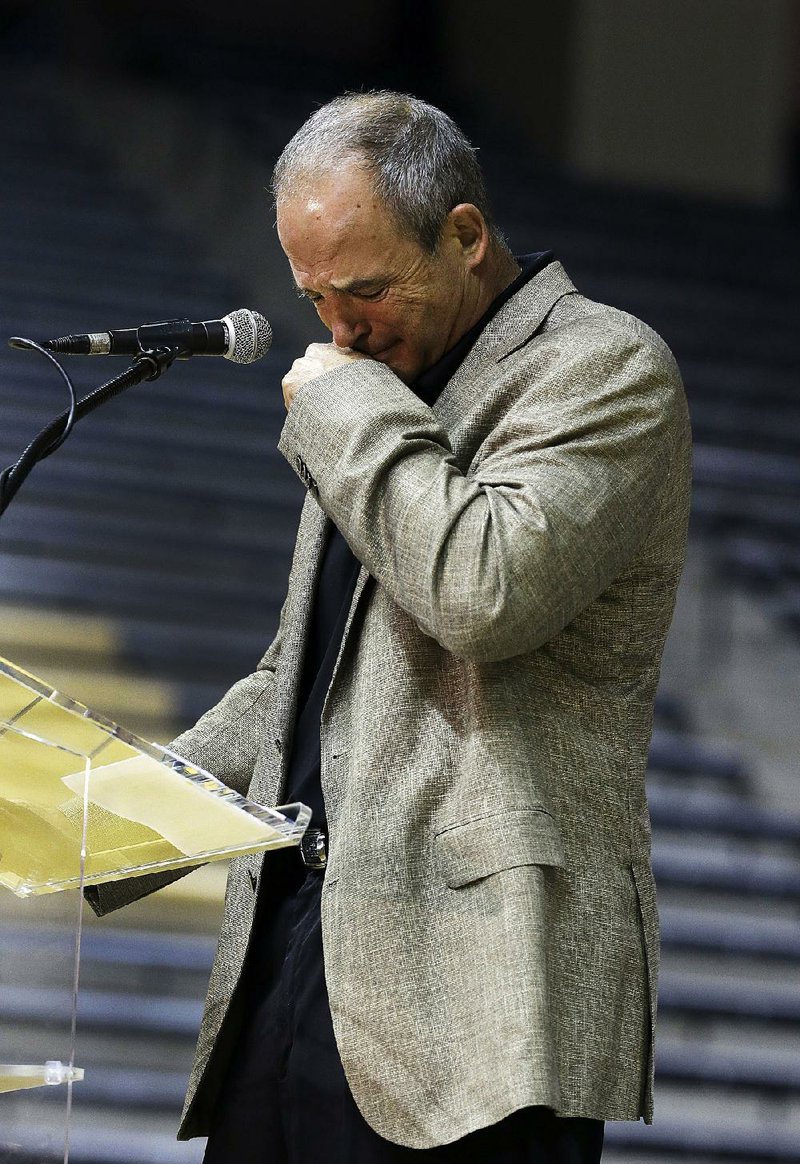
(461, 688)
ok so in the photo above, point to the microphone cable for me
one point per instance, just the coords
(147, 366)
(66, 423)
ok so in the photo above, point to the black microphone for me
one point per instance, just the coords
(243, 336)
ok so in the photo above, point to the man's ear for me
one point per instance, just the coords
(468, 227)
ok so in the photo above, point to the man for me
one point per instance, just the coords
(461, 688)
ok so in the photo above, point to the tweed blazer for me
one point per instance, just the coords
(489, 917)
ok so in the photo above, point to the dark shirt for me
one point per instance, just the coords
(338, 575)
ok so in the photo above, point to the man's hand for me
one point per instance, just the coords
(319, 358)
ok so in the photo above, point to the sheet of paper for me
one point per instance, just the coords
(148, 793)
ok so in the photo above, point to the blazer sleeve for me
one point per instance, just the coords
(226, 740)
(494, 559)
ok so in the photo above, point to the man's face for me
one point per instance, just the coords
(375, 288)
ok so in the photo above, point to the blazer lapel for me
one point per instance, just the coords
(297, 620)
(361, 582)
(516, 323)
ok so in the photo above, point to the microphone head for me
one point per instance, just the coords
(250, 336)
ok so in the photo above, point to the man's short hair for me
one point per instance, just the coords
(420, 162)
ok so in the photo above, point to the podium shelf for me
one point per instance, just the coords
(84, 801)
(19, 1076)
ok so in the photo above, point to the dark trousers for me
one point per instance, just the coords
(285, 1099)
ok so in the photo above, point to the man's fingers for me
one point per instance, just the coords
(302, 370)
(318, 359)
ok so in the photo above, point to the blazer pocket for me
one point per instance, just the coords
(467, 852)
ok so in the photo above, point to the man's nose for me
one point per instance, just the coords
(347, 328)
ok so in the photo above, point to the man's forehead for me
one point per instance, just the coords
(338, 233)
(331, 192)
(344, 268)
(354, 285)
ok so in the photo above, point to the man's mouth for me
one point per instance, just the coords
(381, 354)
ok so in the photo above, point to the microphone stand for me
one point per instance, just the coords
(148, 365)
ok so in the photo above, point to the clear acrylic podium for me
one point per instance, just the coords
(83, 802)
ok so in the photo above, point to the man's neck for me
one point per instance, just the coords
(502, 268)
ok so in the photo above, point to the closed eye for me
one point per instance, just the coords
(371, 295)
(368, 293)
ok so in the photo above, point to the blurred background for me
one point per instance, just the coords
(656, 148)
